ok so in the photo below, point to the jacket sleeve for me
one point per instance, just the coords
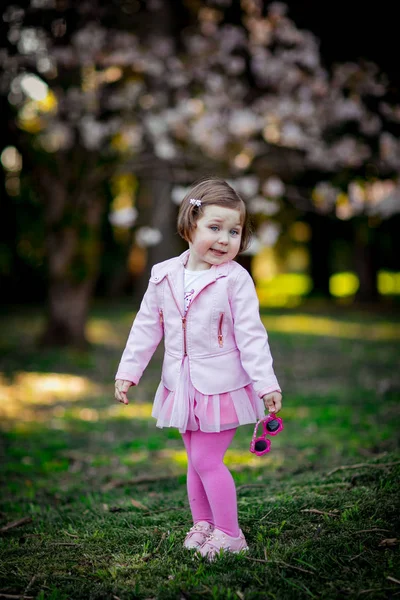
(251, 336)
(144, 337)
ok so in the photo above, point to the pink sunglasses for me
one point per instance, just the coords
(272, 425)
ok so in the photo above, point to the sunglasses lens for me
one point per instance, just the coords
(273, 425)
(260, 445)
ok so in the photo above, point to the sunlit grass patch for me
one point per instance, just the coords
(131, 411)
(45, 388)
(28, 396)
(102, 331)
(322, 326)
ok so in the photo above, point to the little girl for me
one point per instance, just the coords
(217, 372)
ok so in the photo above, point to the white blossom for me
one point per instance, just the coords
(178, 193)
(248, 185)
(124, 217)
(259, 205)
(88, 41)
(31, 40)
(93, 133)
(13, 14)
(254, 247)
(148, 236)
(33, 86)
(389, 150)
(273, 187)
(244, 123)
(156, 125)
(58, 136)
(390, 112)
(165, 149)
(325, 195)
(268, 233)
(389, 203)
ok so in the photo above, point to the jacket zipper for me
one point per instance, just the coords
(184, 317)
(184, 335)
(220, 336)
(161, 316)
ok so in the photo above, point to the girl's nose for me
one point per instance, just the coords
(223, 238)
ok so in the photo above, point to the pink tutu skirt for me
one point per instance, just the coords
(188, 409)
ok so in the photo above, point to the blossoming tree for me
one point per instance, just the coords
(169, 95)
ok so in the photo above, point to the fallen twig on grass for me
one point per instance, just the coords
(335, 513)
(265, 516)
(372, 590)
(153, 552)
(29, 585)
(250, 485)
(281, 562)
(17, 523)
(139, 505)
(156, 512)
(389, 542)
(362, 465)
(261, 560)
(393, 579)
(18, 596)
(146, 511)
(144, 479)
(368, 530)
(357, 556)
(65, 544)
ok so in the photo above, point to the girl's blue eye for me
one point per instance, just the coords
(214, 228)
(234, 232)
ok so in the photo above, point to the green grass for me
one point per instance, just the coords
(106, 490)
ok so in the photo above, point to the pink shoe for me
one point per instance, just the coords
(219, 541)
(197, 535)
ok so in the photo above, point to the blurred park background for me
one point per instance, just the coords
(109, 111)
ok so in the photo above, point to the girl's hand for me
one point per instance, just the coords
(121, 388)
(273, 402)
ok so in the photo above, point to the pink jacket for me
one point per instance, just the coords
(221, 333)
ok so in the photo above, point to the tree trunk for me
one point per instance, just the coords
(157, 210)
(366, 263)
(67, 310)
(163, 218)
(73, 250)
(320, 246)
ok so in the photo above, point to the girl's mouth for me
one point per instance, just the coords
(218, 252)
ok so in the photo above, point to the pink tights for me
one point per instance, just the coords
(211, 489)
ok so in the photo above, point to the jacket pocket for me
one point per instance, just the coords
(220, 334)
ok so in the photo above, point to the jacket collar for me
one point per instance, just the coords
(173, 269)
(170, 267)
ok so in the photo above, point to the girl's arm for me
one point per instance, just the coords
(144, 337)
(251, 336)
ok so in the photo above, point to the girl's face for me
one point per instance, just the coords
(215, 239)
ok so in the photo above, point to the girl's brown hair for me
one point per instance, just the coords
(209, 192)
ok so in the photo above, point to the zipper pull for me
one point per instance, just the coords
(161, 317)
(184, 335)
(220, 336)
